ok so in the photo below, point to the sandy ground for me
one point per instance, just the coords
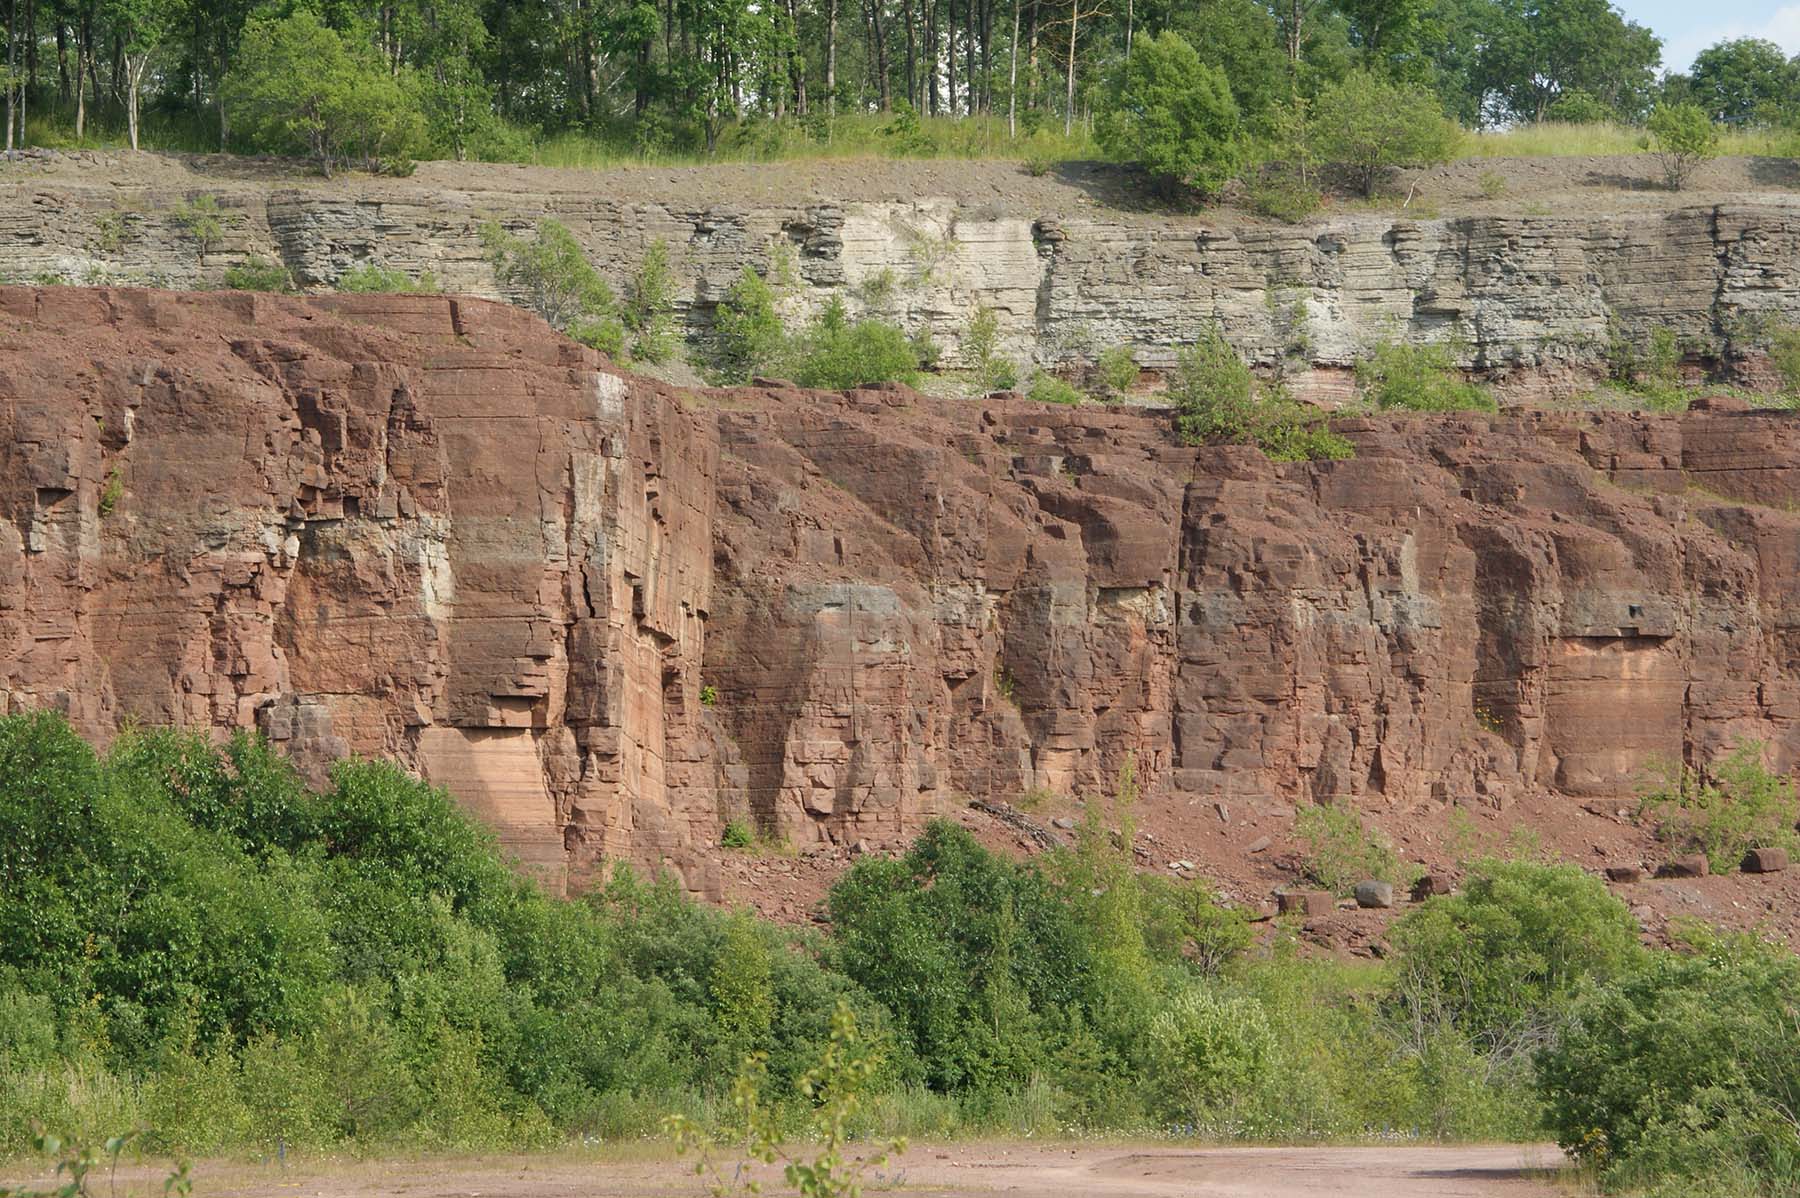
(1574, 186)
(1018, 1170)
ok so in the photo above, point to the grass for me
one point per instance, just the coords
(1553, 140)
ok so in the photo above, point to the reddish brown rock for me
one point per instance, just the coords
(1305, 902)
(1624, 874)
(431, 528)
(1692, 865)
(1429, 885)
(1765, 861)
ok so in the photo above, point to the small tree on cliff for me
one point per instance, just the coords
(1174, 115)
(1369, 125)
(555, 279)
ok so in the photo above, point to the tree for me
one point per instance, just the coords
(1369, 126)
(556, 280)
(298, 86)
(1743, 81)
(1681, 138)
(1174, 115)
(1539, 50)
(139, 27)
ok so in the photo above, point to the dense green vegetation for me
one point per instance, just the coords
(1187, 89)
(193, 943)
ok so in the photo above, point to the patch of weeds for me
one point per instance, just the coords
(737, 834)
(1418, 378)
(1340, 851)
(1115, 374)
(1739, 806)
(203, 222)
(371, 278)
(1047, 388)
(709, 695)
(112, 490)
(257, 273)
(1492, 185)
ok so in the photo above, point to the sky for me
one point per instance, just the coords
(1688, 27)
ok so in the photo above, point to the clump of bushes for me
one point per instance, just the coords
(835, 351)
(981, 352)
(1218, 401)
(256, 273)
(371, 278)
(1174, 115)
(1738, 805)
(1682, 137)
(1340, 851)
(1115, 373)
(1418, 378)
(1048, 388)
(553, 277)
(749, 336)
(648, 312)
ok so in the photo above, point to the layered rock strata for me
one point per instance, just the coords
(608, 617)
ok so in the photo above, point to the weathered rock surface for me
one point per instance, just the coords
(609, 617)
(1531, 299)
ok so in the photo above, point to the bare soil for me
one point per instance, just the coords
(1016, 1169)
(1574, 186)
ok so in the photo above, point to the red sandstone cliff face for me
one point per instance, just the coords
(431, 528)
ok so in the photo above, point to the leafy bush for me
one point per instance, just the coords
(202, 221)
(981, 351)
(1742, 805)
(836, 353)
(1784, 352)
(737, 835)
(1210, 1050)
(1682, 137)
(1497, 961)
(1115, 372)
(1577, 107)
(1369, 125)
(1340, 852)
(649, 305)
(1686, 1067)
(750, 335)
(372, 278)
(1186, 920)
(1281, 197)
(1217, 401)
(1047, 388)
(297, 86)
(1418, 378)
(555, 279)
(1173, 114)
(256, 273)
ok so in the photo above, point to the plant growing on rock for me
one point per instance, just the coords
(837, 353)
(1681, 138)
(1740, 804)
(981, 350)
(202, 222)
(1418, 378)
(1115, 373)
(556, 280)
(257, 273)
(650, 304)
(373, 278)
(749, 334)
(1218, 401)
(1340, 851)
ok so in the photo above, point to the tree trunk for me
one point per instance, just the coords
(950, 60)
(135, 66)
(912, 56)
(12, 66)
(881, 55)
(969, 50)
(831, 24)
(1128, 16)
(1012, 78)
(931, 54)
(1069, 112)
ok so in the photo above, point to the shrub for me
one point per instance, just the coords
(1047, 388)
(1115, 372)
(1498, 961)
(1340, 852)
(1369, 125)
(1418, 378)
(1217, 401)
(737, 835)
(1784, 353)
(1686, 1067)
(1741, 806)
(1281, 196)
(649, 305)
(1493, 185)
(1186, 920)
(372, 278)
(556, 280)
(202, 222)
(1577, 107)
(750, 335)
(1173, 114)
(836, 353)
(257, 273)
(1209, 1050)
(980, 350)
(297, 86)
(1682, 137)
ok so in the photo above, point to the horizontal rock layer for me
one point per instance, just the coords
(609, 616)
(1532, 299)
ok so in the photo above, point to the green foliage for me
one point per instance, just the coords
(650, 304)
(750, 335)
(1744, 80)
(1172, 114)
(553, 277)
(1368, 126)
(202, 222)
(981, 351)
(1578, 108)
(1217, 401)
(1493, 185)
(1685, 1067)
(256, 273)
(373, 278)
(836, 353)
(77, 1162)
(297, 86)
(1682, 137)
(1047, 388)
(1210, 1050)
(1418, 378)
(112, 491)
(1186, 920)
(1281, 196)
(1496, 962)
(1340, 852)
(737, 835)
(1784, 353)
(1115, 372)
(1740, 804)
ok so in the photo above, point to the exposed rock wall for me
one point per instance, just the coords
(608, 617)
(1532, 298)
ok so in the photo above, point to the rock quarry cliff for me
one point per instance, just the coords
(609, 615)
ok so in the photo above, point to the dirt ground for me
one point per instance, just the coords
(1575, 186)
(1015, 1169)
